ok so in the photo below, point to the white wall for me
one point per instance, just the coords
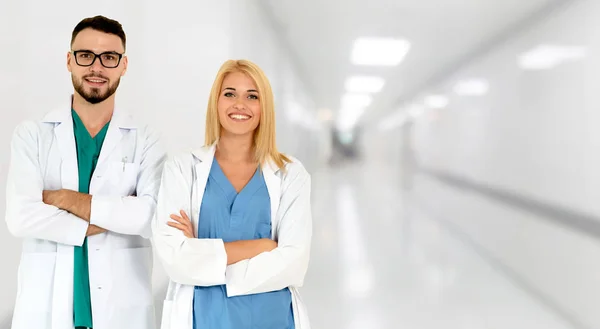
(535, 134)
(175, 49)
(253, 37)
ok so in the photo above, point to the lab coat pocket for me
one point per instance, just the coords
(123, 177)
(133, 277)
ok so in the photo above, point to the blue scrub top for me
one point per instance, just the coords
(231, 216)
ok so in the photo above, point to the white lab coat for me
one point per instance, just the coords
(193, 262)
(120, 261)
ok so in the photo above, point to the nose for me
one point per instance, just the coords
(239, 104)
(97, 65)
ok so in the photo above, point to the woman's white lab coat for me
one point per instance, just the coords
(193, 262)
(120, 261)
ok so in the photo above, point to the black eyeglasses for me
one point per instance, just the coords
(108, 59)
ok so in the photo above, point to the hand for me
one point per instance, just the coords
(52, 198)
(93, 230)
(245, 249)
(183, 224)
(268, 244)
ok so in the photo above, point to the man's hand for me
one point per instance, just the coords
(93, 230)
(53, 198)
(79, 204)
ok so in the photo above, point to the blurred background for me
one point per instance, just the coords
(453, 144)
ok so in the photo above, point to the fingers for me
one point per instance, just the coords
(182, 223)
(184, 215)
(187, 231)
(180, 220)
(178, 226)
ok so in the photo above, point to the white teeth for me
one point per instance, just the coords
(239, 116)
(96, 81)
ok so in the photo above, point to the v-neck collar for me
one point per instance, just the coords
(80, 126)
(217, 173)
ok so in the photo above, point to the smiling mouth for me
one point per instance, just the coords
(95, 81)
(239, 117)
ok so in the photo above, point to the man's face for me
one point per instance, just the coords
(96, 82)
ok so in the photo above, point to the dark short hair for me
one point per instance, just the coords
(102, 24)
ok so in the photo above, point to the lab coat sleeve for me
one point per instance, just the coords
(132, 215)
(286, 265)
(27, 216)
(189, 261)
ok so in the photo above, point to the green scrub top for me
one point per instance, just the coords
(88, 152)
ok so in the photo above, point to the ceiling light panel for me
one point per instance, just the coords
(379, 51)
(364, 84)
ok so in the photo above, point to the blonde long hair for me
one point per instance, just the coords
(265, 147)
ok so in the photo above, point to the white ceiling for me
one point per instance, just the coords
(443, 33)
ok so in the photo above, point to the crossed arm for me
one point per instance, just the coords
(245, 267)
(78, 204)
(236, 251)
(66, 216)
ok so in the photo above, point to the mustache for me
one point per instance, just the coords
(95, 75)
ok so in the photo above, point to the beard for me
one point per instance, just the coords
(94, 95)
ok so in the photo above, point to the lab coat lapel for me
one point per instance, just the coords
(113, 138)
(273, 182)
(66, 142)
(62, 308)
(201, 172)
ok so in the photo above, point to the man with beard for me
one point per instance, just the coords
(81, 192)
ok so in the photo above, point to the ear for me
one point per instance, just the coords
(69, 58)
(124, 62)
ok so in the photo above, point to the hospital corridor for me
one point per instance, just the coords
(394, 260)
(453, 147)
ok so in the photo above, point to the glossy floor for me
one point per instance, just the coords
(380, 261)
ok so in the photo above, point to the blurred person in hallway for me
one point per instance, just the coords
(241, 257)
(81, 192)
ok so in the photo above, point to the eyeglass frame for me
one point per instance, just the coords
(74, 52)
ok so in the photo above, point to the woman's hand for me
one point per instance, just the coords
(183, 223)
(246, 249)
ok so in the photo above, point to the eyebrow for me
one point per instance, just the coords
(249, 90)
(104, 52)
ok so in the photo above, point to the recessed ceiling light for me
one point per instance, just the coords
(348, 117)
(415, 110)
(351, 109)
(436, 101)
(545, 57)
(471, 87)
(352, 100)
(379, 51)
(364, 84)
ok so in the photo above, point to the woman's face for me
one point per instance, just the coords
(239, 104)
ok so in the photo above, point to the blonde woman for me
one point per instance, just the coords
(233, 223)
